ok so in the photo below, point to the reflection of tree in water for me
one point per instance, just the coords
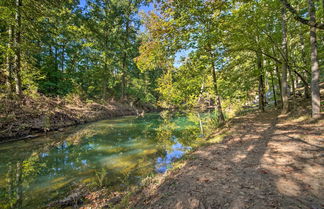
(18, 177)
(176, 134)
(20, 174)
(27, 163)
(110, 154)
(119, 179)
(13, 193)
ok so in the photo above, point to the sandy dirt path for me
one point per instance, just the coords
(265, 162)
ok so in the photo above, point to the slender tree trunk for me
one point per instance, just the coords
(314, 63)
(303, 52)
(105, 79)
(284, 83)
(261, 82)
(124, 67)
(305, 83)
(18, 49)
(273, 89)
(200, 125)
(279, 82)
(221, 117)
(293, 90)
(62, 61)
(56, 59)
(10, 64)
(302, 43)
(56, 68)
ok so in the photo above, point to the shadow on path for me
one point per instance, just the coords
(266, 162)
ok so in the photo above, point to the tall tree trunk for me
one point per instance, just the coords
(56, 59)
(314, 63)
(293, 90)
(10, 64)
(273, 89)
(302, 43)
(105, 79)
(279, 82)
(200, 125)
(261, 82)
(18, 48)
(124, 67)
(284, 83)
(56, 68)
(62, 59)
(221, 117)
(220, 114)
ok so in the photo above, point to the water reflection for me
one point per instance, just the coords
(176, 152)
(110, 153)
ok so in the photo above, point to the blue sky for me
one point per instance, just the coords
(83, 3)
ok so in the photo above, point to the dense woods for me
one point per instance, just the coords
(56, 48)
(179, 54)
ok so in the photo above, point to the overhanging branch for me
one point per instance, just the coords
(299, 18)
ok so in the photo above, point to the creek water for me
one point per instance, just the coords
(110, 153)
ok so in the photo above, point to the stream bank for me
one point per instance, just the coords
(27, 118)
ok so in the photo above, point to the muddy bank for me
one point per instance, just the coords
(28, 117)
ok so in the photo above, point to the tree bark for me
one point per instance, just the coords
(10, 64)
(105, 79)
(221, 117)
(306, 89)
(18, 48)
(261, 82)
(62, 61)
(314, 64)
(124, 67)
(279, 82)
(284, 83)
(56, 59)
(273, 89)
(292, 81)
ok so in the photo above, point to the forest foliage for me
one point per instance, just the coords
(182, 53)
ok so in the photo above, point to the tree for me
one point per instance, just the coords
(284, 84)
(316, 102)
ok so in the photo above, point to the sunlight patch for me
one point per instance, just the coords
(239, 157)
(288, 187)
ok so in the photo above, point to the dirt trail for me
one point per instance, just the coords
(265, 162)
